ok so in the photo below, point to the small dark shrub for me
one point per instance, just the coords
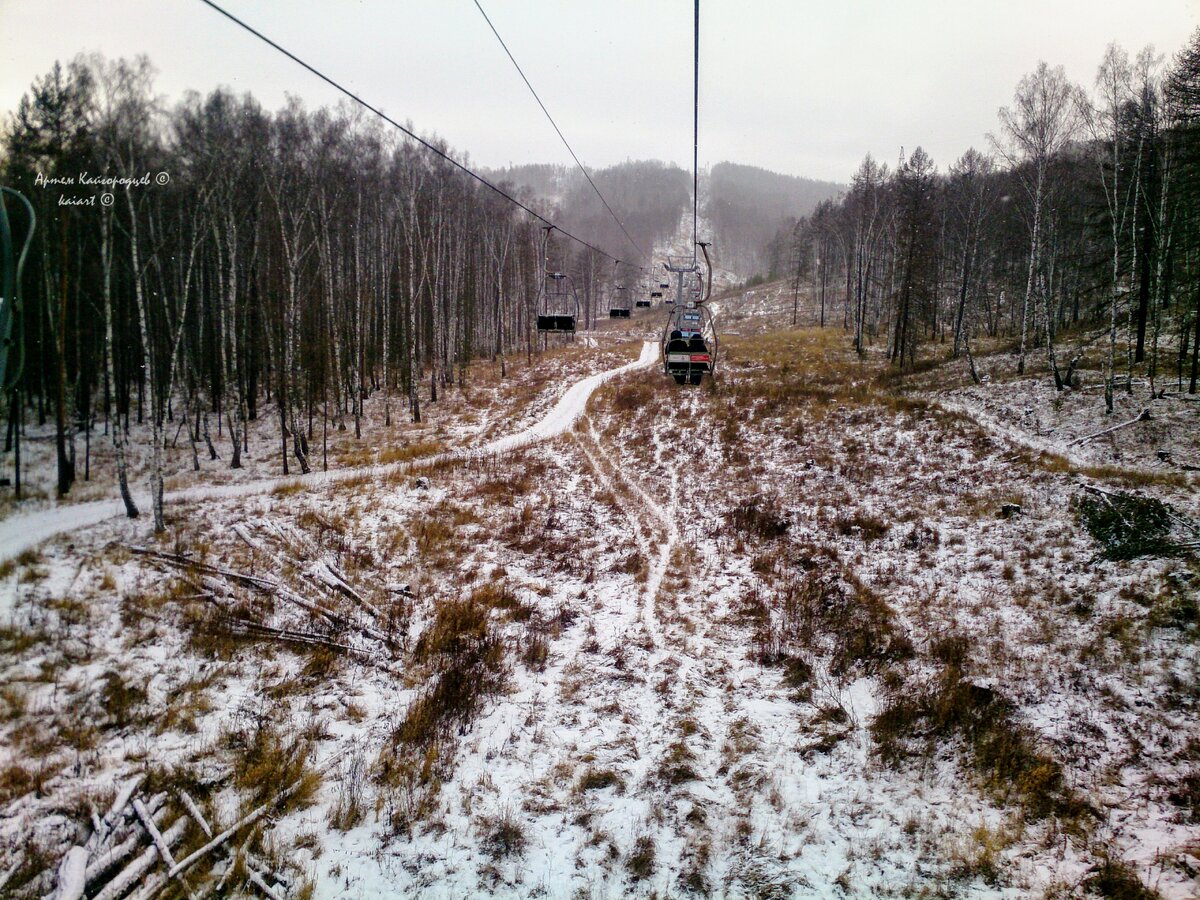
(1003, 752)
(122, 699)
(760, 517)
(599, 779)
(677, 765)
(641, 859)
(1186, 795)
(1127, 526)
(1115, 880)
(871, 527)
(1176, 609)
(632, 396)
(505, 836)
(266, 762)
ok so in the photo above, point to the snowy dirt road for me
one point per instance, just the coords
(24, 531)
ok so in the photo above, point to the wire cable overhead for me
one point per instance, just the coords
(558, 131)
(696, 130)
(420, 140)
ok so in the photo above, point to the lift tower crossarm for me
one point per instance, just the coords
(681, 268)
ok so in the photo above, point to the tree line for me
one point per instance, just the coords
(1074, 236)
(212, 263)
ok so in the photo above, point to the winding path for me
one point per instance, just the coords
(25, 530)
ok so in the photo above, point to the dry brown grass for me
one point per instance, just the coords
(1003, 752)
(265, 760)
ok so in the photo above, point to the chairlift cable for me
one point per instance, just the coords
(424, 143)
(695, 128)
(558, 131)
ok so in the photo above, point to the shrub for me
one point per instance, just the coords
(266, 762)
(1176, 609)
(467, 658)
(1003, 752)
(458, 626)
(641, 859)
(349, 810)
(1185, 794)
(760, 517)
(121, 699)
(677, 765)
(869, 526)
(599, 779)
(632, 396)
(1116, 880)
(505, 835)
(1127, 526)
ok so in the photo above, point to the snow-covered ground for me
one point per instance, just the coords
(20, 532)
(616, 637)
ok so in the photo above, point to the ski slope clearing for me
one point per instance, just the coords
(773, 636)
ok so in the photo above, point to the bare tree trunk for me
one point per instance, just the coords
(117, 430)
(156, 425)
(1034, 239)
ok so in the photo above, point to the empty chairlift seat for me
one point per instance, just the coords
(619, 306)
(560, 305)
(556, 324)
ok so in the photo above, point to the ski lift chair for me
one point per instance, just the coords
(690, 345)
(619, 308)
(560, 305)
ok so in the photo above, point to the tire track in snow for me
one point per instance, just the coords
(666, 534)
(23, 531)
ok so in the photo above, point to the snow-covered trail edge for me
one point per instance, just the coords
(21, 532)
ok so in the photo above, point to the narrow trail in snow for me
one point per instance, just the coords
(669, 518)
(643, 532)
(656, 531)
(23, 531)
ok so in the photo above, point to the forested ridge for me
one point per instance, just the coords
(748, 206)
(649, 196)
(1074, 234)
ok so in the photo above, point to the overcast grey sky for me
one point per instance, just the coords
(805, 88)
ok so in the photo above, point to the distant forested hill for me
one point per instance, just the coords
(748, 205)
(647, 195)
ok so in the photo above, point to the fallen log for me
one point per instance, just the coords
(142, 863)
(122, 851)
(118, 806)
(253, 816)
(245, 627)
(190, 805)
(1143, 416)
(71, 875)
(321, 572)
(261, 883)
(266, 585)
(233, 858)
(160, 845)
(329, 576)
